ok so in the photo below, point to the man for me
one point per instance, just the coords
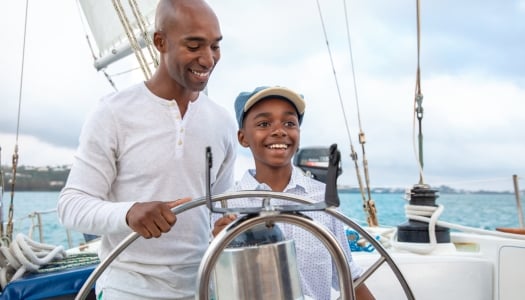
(143, 148)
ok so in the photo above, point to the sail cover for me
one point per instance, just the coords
(106, 28)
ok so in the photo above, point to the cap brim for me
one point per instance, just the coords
(292, 96)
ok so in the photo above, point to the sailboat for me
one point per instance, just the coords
(435, 263)
(437, 260)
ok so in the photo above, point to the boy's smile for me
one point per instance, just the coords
(278, 146)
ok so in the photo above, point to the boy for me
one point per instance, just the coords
(269, 121)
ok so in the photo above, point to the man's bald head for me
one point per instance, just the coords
(167, 11)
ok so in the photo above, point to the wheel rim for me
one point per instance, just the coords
(384, 256)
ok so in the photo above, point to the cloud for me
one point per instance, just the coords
(33, 151)
(471, 71)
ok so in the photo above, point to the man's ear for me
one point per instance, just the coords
(241, 138)
(159, 39)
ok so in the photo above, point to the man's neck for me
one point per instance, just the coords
(172, 91)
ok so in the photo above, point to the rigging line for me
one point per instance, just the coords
(9, 229)
(21, 76)
(134, 44)
(353, 154)
(352, 64)
(90, 45)
(334, 72)
(79, 11)
(144, 31)
(418, 99)
(369, 205)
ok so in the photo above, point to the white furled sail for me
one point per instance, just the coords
(110, 22)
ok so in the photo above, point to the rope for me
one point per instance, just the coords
(430, 215)
(71, 261)
(144, 31)
(132, 39)
(335, 75)
(25, 255)
(427, 214)
(357, 243)
(413, 212)
(368, 204)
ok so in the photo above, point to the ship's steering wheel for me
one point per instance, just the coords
(346, 289)
(287, 213)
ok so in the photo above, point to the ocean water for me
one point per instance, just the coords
(25, 204)
(485, 211)
(480, 211)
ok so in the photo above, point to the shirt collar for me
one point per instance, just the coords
(298, 181)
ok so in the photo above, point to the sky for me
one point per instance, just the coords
(472, 80)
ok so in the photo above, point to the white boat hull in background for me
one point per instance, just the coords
(471, 267)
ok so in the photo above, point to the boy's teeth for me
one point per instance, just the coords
(278, 146)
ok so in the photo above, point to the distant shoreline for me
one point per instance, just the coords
(53, 179)
(340, 190)
(448, 191)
